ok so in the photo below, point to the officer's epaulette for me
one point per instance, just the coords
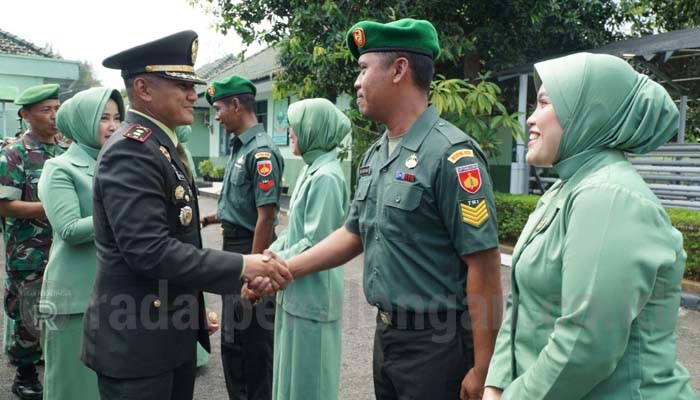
(452, 133)
(262, 140)
(138, 132)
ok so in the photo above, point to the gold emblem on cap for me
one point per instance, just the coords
(211, 90)
(186, 215)
(359, 36)
(165, 152)
(195, 47)
(411, 161)
(179, 192)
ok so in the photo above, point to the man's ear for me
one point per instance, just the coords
(400, 69)
(235, 104)
(142, 88)
(24, 113)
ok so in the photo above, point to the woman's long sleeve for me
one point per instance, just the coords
(58, 195)
(614, 242)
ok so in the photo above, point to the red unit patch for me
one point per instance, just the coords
(469, 177)
(264, 167)
(266, 184)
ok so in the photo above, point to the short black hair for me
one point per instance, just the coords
(422, 67)
(247, 101)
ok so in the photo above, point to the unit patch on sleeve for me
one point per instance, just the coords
(469, 178)
(138, 133)
(266, 184)
(474, 212)
(264, 167)
(459, 154)
(262, 154)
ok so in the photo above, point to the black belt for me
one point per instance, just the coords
(410, 320)
(231, 231)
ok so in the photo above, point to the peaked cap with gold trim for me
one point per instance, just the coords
(170, 57)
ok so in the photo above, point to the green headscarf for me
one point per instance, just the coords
(79, 117)
(183, 133)
(601, 102)
(319, 125)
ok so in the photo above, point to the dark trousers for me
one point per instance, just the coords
(247, 337)
(428, 363)
(177, 384)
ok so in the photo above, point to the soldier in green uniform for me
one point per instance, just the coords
(425, 218)
(247, 210)
(27, 231)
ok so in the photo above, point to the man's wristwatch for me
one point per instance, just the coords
(205, 221)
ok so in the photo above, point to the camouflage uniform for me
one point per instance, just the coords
(27, 243)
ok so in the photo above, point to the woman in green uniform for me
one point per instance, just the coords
(308, 320)
(597, 270)
(65, 190)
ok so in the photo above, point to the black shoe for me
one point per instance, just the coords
(26, 385)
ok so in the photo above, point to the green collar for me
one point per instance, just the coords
(322, 160)
(165, 129)
(418, 131)
(250, 133)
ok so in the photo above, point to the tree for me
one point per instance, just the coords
(86, 78)
(475, 37)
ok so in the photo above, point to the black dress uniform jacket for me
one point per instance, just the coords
(146, 310)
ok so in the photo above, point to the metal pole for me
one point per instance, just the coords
(681, 128)
(519, 171)
(4, 119)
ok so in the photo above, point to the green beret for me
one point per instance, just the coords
(36, 94)
(410, 35)
(231, 86)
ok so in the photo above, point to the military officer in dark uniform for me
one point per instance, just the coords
(247, 210)
(424, 215)
(146, 312)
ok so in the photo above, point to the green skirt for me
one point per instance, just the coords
(307, 358)
(65, 376)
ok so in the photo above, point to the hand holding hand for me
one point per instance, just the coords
(266, 265)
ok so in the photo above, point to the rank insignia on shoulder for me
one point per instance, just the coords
(186, 215)
(469, 177)
(165, 152)
(264, 167)
(411, 161)
(459, 154)
(365, 171)
(405, 176)
(138, 132)
(474, 212)
(266, 184)
(262, 154)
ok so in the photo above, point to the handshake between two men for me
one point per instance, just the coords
(264, 275)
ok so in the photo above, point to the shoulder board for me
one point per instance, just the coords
(262, 139)
(453, 134)
(138, 132)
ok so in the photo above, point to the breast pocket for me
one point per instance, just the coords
(399, 206)
(363, 188)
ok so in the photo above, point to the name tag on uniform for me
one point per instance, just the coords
(366, 170)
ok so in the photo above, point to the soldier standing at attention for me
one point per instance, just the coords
(27, 231)
(424, 215)
(146, 312)
(247, 210)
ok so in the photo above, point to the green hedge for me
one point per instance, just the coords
(513, 211)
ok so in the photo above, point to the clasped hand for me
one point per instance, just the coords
(264, 275)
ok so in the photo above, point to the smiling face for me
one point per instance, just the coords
(171, 101)
(42, 117)
(109, 121)
(545, 132)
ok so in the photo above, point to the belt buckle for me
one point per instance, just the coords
(386, 319)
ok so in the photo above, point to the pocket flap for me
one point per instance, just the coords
(403, 196)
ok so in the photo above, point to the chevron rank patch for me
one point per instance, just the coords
(138, 133)
(474, 212)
